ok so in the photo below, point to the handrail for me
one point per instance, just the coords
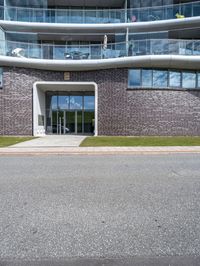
(94, 51)
(101, 10)
(35, 14)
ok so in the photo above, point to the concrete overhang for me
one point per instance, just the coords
(150, 26)
(159, 61)
(65, 86)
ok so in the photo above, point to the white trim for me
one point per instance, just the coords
(190, 62)
(157, 25)
(40, 131)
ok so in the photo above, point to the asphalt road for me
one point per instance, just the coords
(100, 210)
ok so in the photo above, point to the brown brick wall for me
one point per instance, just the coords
(121, 111)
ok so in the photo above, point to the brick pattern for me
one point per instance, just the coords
(120, 111)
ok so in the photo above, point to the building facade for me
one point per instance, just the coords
(118, 67)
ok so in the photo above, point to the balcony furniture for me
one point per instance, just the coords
(151, 17)
(179, 15)
(18, 52)
(76, 55)
(133, 19)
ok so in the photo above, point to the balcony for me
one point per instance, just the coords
(100, 16)
(95, 52)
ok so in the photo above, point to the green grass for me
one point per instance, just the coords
(140, 141)
(7, 141)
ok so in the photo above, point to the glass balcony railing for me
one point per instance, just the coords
(100, 15)
(114, 50)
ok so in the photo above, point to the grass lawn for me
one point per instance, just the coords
(140, 141)
(7, 141)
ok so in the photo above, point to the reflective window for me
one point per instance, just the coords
(76, 102)
(54, 102)
(189, 80)
(160, 79)
(134, 78)
(63, 102)
(1, 78)
(175, 79)
(146, 78)
(198, 80)
(157, 78)
(89, 102)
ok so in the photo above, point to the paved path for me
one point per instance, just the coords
(100, 210)
(35, 150)
(52, 141)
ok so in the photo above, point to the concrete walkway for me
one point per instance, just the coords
(52, 141)
(66, 150)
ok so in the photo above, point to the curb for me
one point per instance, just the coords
(11, 151)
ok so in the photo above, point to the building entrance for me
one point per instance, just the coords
(70, 113)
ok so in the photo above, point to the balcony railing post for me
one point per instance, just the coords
(125, 11)
(127, 41)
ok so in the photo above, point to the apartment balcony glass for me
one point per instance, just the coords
(86, 52)
(88, 16)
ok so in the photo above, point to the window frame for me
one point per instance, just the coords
(169, 87)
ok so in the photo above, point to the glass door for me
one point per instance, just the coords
(79, 122)
(60, 123)
(89, 122)
(54, 120)
(70, 126)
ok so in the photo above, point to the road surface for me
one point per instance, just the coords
(100, 210)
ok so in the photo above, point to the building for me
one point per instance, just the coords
(118, 67)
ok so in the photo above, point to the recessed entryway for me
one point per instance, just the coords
(70, 112)
(63, 108)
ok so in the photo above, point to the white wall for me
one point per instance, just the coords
(38, 109)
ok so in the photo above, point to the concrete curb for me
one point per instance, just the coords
(97, 150)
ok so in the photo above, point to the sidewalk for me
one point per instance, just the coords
(96, 150)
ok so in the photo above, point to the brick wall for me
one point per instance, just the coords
(121, 111)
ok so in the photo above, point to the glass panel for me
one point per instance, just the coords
(147, 78)
(196, 9)
(198, 80)
(89, 102)
(79, 122)
(134, 78)
(189, 80)
(174, 79)
(160, 79)
(61, 129)
(89, 122)
(76, 102)
(70, 122)
(1, 77)
(54, 122)
(54, 102)
(63, 102)
(59, 52)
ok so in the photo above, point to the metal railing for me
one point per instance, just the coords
(100, 15)
(113, 50)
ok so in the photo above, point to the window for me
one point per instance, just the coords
(160, 79)
(146, 78)
(63, 102)
(134, 78)
(175, 79)
(76, 102)
(198, 80)
(189, 80)
(89, 102)
(1, 77)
